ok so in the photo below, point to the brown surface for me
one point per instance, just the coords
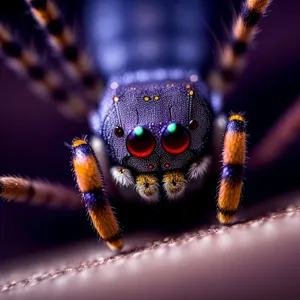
(257, 259)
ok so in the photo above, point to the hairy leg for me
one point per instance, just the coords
(243, 32)
(89, 178)
(60, 35)
(234, 157)
(26, 62)
(37, 192)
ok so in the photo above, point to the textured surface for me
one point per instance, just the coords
(33, 133)
(236, 262)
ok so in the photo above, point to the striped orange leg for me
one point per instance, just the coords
(49, 17)
(37, 192)
(26, 61)
(90, 183)
(234, 156)
(232, 55)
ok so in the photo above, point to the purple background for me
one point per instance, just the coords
(33, 133)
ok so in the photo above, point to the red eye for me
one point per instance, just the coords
(175, 139)
(140, 142)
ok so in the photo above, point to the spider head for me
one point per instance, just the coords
(154, 127)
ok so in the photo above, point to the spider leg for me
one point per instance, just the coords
(234, 156)
(279, 137)
(62, 40)
(232, 55)
(26, 61)
(90, 182)
(37, 192)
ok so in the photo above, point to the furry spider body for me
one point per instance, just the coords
(153, 130)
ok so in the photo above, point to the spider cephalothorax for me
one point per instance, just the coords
(155, 131)
(155, 126)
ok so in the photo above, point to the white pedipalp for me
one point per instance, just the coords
(199, 168)
(122, 176)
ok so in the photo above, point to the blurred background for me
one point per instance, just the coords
(124, 35)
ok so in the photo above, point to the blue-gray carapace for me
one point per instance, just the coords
(153, 128)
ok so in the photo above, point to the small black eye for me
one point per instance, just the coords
(193, 124)
(175, 139)
(140, 142)
(119, 131)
